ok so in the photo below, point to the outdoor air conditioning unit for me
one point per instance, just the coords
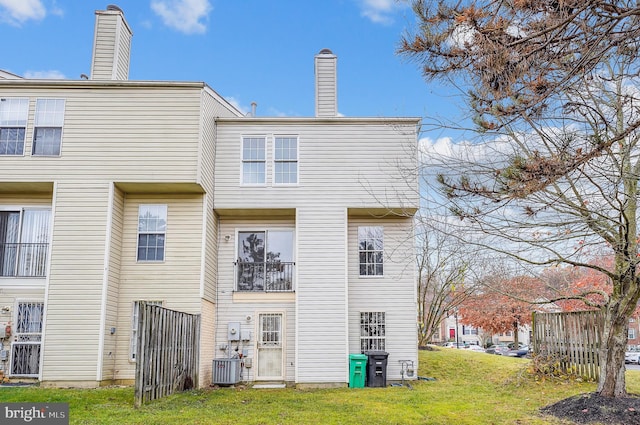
(226, 371)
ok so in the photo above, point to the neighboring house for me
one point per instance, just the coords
(633, 338)
(450, 328)
(294, 233)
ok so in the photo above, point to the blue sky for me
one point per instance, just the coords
(246, 50)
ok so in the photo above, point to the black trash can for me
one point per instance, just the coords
(376, 368)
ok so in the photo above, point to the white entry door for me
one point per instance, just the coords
(270, 335)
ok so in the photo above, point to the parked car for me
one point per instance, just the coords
(475, 347)
(498, 349)
(632, 357)
(519, 352)
(459, 345)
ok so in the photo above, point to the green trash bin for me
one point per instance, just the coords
(357, 370)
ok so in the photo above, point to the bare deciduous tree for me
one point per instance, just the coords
(442, 270)
(554, 88)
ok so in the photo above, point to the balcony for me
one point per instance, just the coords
(264, 277)
(23, 259)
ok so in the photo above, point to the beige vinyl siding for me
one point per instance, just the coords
(326, 85)
(393, 293)
(25, 199)
(122, 134)
(104, 46)
(207, 349)
(343, 164)
(175, 281)
(230, 311)
(321, 295)
(113, 284)
(349, 163)
(72, 325)
(209, 108)
(123, 51)
(111, 47)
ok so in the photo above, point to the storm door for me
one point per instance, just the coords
(270, 345)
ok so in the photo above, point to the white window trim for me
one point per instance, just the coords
(297, 160)
(266, 231)
(35, 127)
(632, 333)
(29, 280)
(378, 338)
(138, 233)
(242, 160)
(26, 125)
(370, 276)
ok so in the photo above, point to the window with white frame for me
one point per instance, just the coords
(632, 333)
(135, 314)
(253, 160)
(265, 261)
(24, 242)
(371, 250)
(13, 125)
(372, 331)
(152, 227)
(285, 160)
(47, 132)
(466, 330)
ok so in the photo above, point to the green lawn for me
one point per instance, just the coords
(470, 388)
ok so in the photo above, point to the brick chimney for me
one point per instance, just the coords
(111, 45)
(326, 84)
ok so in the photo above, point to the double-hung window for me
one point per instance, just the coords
(47, 132)
(371, 250)
(372, 330)
(13, 125)
(285, 160)
(24, 242)
(152, 227)
(265, 261)
(253, 160)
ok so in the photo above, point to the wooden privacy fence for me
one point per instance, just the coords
(572, 338)
(167, 352)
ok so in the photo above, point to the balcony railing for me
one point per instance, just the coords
(264, 277)
(23, 259)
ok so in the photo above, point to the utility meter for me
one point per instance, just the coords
(233, 331)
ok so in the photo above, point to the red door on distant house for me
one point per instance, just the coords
(452, 333)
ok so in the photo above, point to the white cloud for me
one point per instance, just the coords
(379, 11)
(236, 103)
(44, 75)
(16, 12)
(186, 16)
